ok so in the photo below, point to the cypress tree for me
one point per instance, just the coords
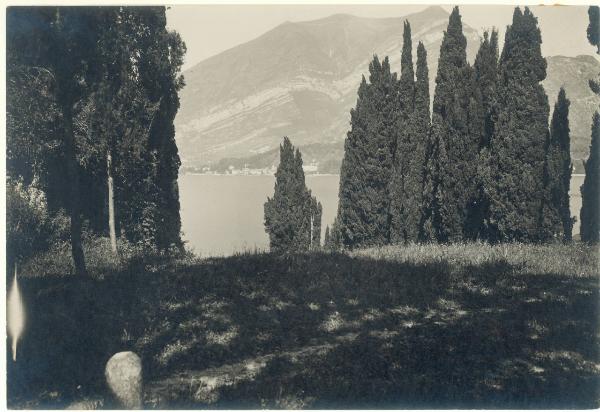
(415, 153)
(400, 191)
(316, 212)
(593, 29)
(517, 150)
(593, 35)
(289, 214)
(590, 190)
(335, 236)
(483, 118)
(363, 211)
(406, 83)
(165, 51)
(327, 239)
(434, 153)
(421, 128)
(486, 76)
(453, 163)
(557, 222)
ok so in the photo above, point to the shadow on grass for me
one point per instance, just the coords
(317, 331)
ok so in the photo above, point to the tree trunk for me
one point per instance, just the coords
(111, 204)
(73, 182)
(310, 232)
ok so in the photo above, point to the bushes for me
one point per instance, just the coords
(39, 239)
(29, 227)
(56, 261)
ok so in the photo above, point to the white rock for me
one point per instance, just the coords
(124, 378)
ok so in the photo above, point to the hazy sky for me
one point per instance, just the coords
(210, 29)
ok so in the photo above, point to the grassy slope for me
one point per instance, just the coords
(420, 326)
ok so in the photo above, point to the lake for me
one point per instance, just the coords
(222, 215)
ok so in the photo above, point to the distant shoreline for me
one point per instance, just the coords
(249, 175)
(307, 175)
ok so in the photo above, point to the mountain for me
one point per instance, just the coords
(300, 80)
(573, 73)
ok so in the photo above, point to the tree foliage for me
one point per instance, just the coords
(557, 221)
(292, 215)
(590, 190)
(413, 139)
(364, 200)
(400, 190)
(87, 82)
(485, 166)
(455, 148)
(483, 120)
(515, 186)
(593, 29)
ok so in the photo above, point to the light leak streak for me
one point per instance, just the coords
(16, 315)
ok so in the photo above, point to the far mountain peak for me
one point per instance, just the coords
(300, 80)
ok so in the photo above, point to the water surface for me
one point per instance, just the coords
(222, 215)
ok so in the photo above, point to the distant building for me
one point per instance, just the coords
(313, 167)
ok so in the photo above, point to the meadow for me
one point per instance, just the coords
(417, 326)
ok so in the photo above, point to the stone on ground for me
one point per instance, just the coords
(124, 378)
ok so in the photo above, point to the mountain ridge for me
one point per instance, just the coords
(300, 79)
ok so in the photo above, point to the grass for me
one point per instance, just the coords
(420, 326)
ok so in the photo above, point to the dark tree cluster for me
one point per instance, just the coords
(292, 215)
(92, 93)
(366, 171)
(484, 166)
(590, 190)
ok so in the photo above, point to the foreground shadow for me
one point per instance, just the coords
(316, 331)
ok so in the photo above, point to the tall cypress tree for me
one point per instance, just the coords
(421, 130)
(453, 162)
(160, 75)
(593, 29)
(430, 218)
(290, 215)
(590, 190)
(335, 236)
(483, 117)
(486, 76)
(593, 35)
(411, 219)
(363, 211)
(316, 211)
(517, 150)
(557, 222)
(400, 191)
(327, 239)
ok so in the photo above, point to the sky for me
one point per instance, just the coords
(210, 29)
